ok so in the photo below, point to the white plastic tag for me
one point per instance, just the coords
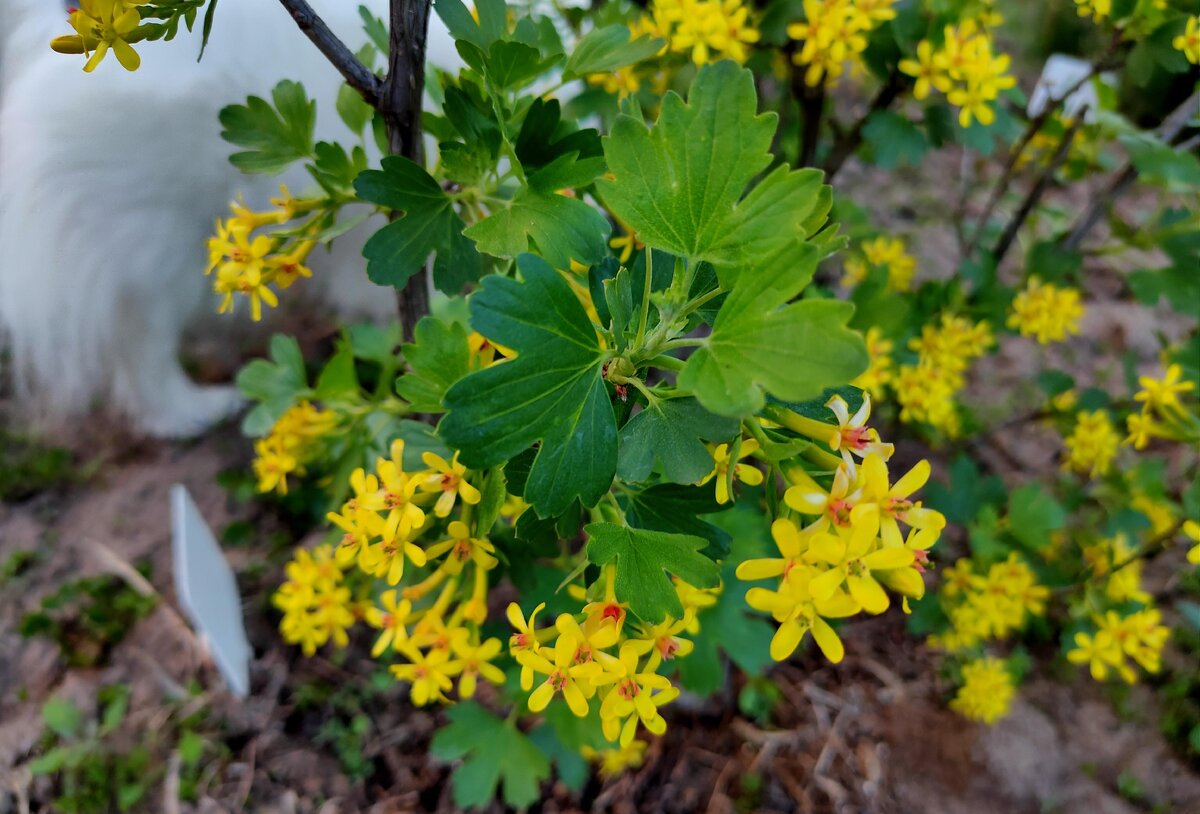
(207, 591)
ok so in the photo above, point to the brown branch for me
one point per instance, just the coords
(401, 97)
(848, 142)
(354, 72)
(812, 105)
(1168, 131)
(1010, 167)
(1039, 189)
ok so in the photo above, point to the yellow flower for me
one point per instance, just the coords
(879, 373)
(392, 621)
(473, 661)
(1163, 394)
(614, 762)
(1192, 529)
(791, 543)
(397, 546)
(101, 25)
(1092, 445)
(291, 444)
(447, 477)
(431, 674)
(635, 697)
(1047, 312)
(563, 675)
(463, 548)
(924, 69)
(1142, 428)
(851, 561)
(621, 82)
(987, 691)
(1189, 41)
(1094, 8)
(722, 464)
(799, 613)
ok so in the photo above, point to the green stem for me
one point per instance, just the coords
(644, 319)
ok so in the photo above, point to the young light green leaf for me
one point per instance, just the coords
(430, 224)
(438, 358)
(644, 559)
(680, 185)
(353, 111)
(493, 751)
(276, 384)
(671, 433)
(603, 50)
(491, 25)
(759, 344)
(561, 229)
(277, 136)
(552, 392)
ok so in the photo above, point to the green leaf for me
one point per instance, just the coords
(552, 392)
(375, 29)
(1161, 163)
(680, 509)
(493, 751)
(438, 358)
(354, 112)
(759, 344)
(603, 50)
(399, 250)
(560, 229)
(276, 385)
(491, 26)
(680, 185)
(512, 65)
(643, 559)
(671, 433)
(338, 377)
(894, 139)
(1033, 514)
(554, 156)
(62, 717)
(277, 136)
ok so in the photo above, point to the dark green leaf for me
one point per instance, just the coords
(493, 751)
(560, 229)
(277, 136)
(438, 358)
(400, 249)
(603, 50)
(552, 392)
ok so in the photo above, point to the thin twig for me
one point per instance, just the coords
(354, 72)
(1010, 167)
(1039, 189)
(1168, 131)
(812, 106)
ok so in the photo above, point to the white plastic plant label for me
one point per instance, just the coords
(1060, 74)
(207, 591)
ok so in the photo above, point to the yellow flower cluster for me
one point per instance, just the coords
(1092, 445)
(702, 30)
(596, 656)
(1120, 642)
(988, 605)
(1112, 561)
(1189, 41)
(987, 690)
(1163, 413)
(847, 546)
(926, 390)
(879, 374)
(247, 264)
(1192, 529)
(1046, 311)
(1099, 9)
(891, 254)
(834, 34)
(964, 68)
(317, 605)
(292, 443)
(101, 25)
(615, 762)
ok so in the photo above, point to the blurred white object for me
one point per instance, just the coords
(1060, 74)
(207, 591)
(109, 186)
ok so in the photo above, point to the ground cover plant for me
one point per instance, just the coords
(674, 403)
